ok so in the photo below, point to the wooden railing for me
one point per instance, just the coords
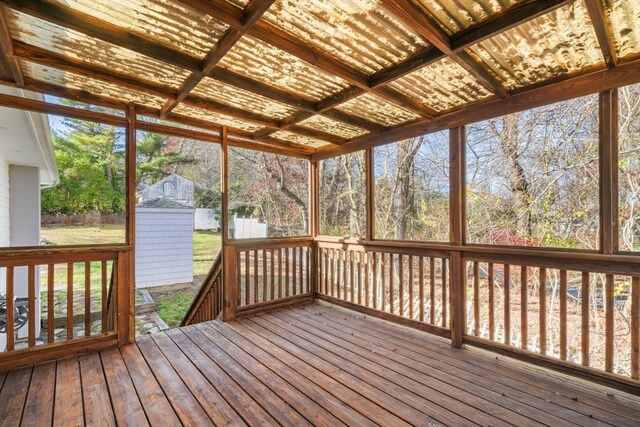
(207, 305)
(574, 311)
(406, 285)
(269, 273)
(57, 301)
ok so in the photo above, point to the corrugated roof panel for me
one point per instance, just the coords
(357, 32)
(454, 16)
(551, 45)
(624, 16)
(240, 98)
(299, 139)
(209, 116)
(168, 22)
(334, 127)
(95, 87)
(376, 109)
(75, 45)
(260, 61)
(442, 85)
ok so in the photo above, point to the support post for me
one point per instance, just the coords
(457, 214)
(608, 168)
(314, 222)
(126, 260)
(370, 194)
(228, 253)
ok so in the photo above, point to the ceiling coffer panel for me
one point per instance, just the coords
(454, 16)
(624, 16)
(75, 45)
(95, 87)
(242, 99)
(167, 22)
(372, 107)
(215, 118)
(267, 64)
(334, 127)
(555, 44)
(298, 139)
(356, 32)
(442, 85)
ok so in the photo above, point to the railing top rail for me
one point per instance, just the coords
(271, 243)
(18, 251)
(57, 256)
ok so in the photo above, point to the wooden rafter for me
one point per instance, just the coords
(411, 14)
(6, 51)
(574, 86)
(252, 12)
(603, 31)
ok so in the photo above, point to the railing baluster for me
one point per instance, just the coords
(524, 293)
(367, 259)
(476, 298)
(255, 276)
(264, 275)
(10, 310)
(383, 290)
(421, 286)
(87, 299)
(444, 292)
(563, 314)
(69, 301)
(542, 302)
(374, 292)
(492, 302)
(294, 270)
(103, 294)
(432, 290)
(344, 274)
(410, 286)
(247, 278)
(584, 296)
(609, 322)
(507, 303)
(280, 273)
(392, 297)
(635, 328)
(351, 277)
(401, 283)
(307, 253)
(31, 304)
(286, 272)
(272, 289)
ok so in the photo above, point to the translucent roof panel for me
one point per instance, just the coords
(334, 127)
(624, 16)
(209, 116)
(240, 98)
(376, 109)
(167, 22)
(299, 139)
(442, 85)
(92, 86)
(356, 32)
(551, 45)
(454, 16)
(75, 45)
(260, 61)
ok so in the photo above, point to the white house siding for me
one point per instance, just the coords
(164, 246)
(4, 202)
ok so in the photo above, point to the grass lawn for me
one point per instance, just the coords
(171, 306)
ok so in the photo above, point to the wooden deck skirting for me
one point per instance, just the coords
(312, 365)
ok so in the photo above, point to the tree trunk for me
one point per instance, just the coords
(407, 151)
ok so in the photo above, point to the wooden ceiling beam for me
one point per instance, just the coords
(415, 18)
(510, 18)
(603, 31)
(583, 84)
(6, 51)
(252, 13)
(90, 26)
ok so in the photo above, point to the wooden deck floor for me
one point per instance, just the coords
(317, 365)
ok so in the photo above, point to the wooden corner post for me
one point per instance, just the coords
(457, 205)
(314, 221)
(126, 259)
(370, 194)
(608, 167)
(228, 254)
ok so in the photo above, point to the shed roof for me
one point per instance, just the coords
(309, 74)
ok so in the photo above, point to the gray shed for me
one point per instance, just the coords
(164, 243)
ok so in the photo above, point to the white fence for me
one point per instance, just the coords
(206, 219)
(245, 228)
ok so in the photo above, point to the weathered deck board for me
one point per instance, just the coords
(312, 365)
